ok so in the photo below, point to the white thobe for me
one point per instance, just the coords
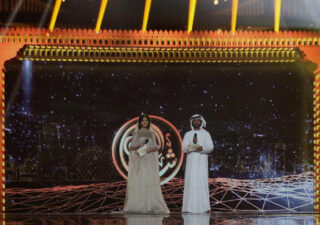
(196, 188)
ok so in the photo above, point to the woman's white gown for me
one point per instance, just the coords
(144, 193)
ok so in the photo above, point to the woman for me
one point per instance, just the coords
(143, 189)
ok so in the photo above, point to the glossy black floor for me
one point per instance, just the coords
(172, 219)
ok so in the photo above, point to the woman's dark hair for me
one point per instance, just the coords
(141, 118)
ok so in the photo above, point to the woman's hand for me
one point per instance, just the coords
(136, 147)
(152, 149)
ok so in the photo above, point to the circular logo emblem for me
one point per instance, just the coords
(168, 138)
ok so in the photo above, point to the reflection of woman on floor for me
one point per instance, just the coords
(138, 219)
(143, 189)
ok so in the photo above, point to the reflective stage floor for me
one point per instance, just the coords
(172, 219)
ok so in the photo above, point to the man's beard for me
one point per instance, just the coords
(196, 126)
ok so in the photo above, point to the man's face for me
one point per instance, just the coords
(196, 123)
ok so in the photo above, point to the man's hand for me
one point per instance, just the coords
(199, 149)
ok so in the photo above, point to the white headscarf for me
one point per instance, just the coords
(198, 116)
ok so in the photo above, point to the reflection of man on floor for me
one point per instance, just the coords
(192, 219)
(197, 143)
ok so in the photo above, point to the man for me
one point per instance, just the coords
(197, 143)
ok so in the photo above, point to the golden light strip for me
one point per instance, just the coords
(54, 16)
(316, 127)
(277, 13)
(128, 54)
(146, 14)
(102, 10)
(316, 218)
(235, 4)
(2, 145)
(192, 10)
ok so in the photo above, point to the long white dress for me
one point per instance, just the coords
(196, 189)
(143, 189)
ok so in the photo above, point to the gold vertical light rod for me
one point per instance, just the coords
(234, 14)
(54, 16)
(192, 10)
(146, 14)
(102, 10)
(277, 13)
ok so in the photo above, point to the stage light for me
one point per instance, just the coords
(146, 14)
(235, 4)
(12, 16)
(54, 16)
(26, 73)
(44, 14)
(103, 7)
(277, 13)
(192, 10)
(215, 2)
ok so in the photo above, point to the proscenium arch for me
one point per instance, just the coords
(162, 46)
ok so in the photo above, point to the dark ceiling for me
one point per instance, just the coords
(164, 14)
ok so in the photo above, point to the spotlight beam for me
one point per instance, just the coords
(192, 10)
(12, 16)
(277, 13)
(146, 14)
(54, 16)
(235, 4)
(45, 14)
(102, 10)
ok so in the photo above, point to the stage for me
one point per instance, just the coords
(173, 218)
(73, 86)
